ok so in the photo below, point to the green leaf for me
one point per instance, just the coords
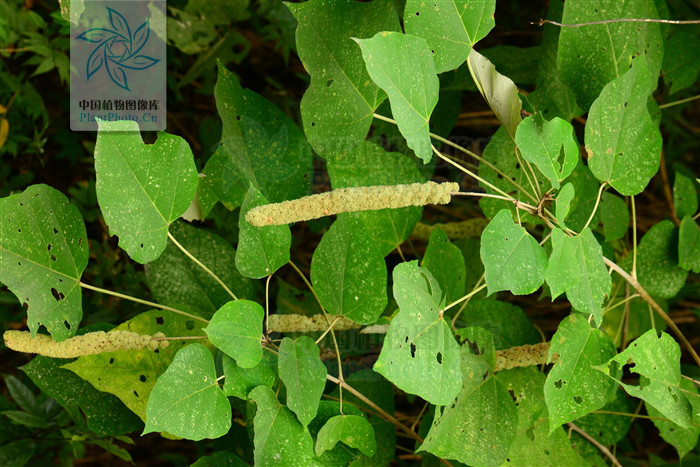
(583, 204)
(681, 60)
(655, 357)
(513, 260)
(451, 27)
(43, 253)
(106, 415)
(590, 57)
(636, 319)
(445, 261)
(508, 324)
(577, 268)
(142, 188)
(131, 375)
(22, 395)
(402, 65)
(303, 374)
(349, 273)
(352, 430)
(280, 440)
(533, 443)
(551, 146)
(685, 196)
(479, 426)
(563, 202)
(623, 144)
(499, 91)
(337, 107)
(420, 354)
(220, 459)
(261, 250)
(683, 439)
(17, 453)
(175, 279)
(610, 428)
(239, 381)
(340, 454)
(368, 164)
(187, 400)
(573, 388)
(260, 146)
(689, 245)
(657, 261)
(499, 152)
(236, 330)
(615, 216)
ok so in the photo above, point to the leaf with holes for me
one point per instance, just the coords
(348, 272)
(402, 65)
(368, 164)
(351, 430)
(236, 330)
(590, 57)
(576, 267)
(623, 144)
(614, 215)
(655, 359)
(573, 387)
(142, 188)
(261, 250)
(451, 27)
(303, 374)
(499, 91)
(479, 426)
(279, 437)
(689, 245)
(239, 381)
(513, 260)
(445, 261)
(131, 375)
(658, 270)
(43, 253)
(420, 354)
(174, 279)
(562, 203)
(550, 145)
(260, 145)
(337, 107)
(685, 196)
(683, 439)
(187, 400)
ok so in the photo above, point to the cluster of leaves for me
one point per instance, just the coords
(558, 222)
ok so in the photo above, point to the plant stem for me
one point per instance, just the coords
(542, 22)
(185, 338)
(679, 102)
(472, 293)
(201, 265)
(597, 444)
(595, 208)
(143, 302)
(634, 239)
(466, 297)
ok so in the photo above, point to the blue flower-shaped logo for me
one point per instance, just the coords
(118, 49)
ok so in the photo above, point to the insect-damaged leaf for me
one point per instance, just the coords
(683, 439)
(402, 65)
(43, 253)
(348, 272)
(337, 107)
(142, 188)
(446, 262)
(623, 144)
(655, 359)
(450, 27)
(279, 437)
(187, 400)
(513, 260)
(576, 267)
(236, 330)
(303, 374)
(420, 354)
(550, 145)
(352, 430)
(479, 426)
(573, 387)
(260, 146)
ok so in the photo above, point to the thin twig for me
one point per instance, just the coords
(542, 22)
(596, 443)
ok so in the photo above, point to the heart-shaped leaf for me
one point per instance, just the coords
(352, 430)
(236, 330)
(303, 374)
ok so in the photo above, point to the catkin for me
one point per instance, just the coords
(351, 200)
(523, 355)
(302, 323)
(87, 344)
(471, 228)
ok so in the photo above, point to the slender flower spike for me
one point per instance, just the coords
(354, 199)
(87, 344)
